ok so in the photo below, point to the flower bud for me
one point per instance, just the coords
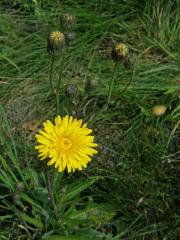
(16, 197)
(71, 90)
(120, 52)
(20, 187)
(67, 21)
(56, 42)
(158, 110)
(70, 36)
(72, 93)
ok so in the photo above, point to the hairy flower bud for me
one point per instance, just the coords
(67, 21)
(56, 42)
(120, 52)
(158, 110)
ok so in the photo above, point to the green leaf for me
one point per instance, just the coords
(75, 237)
(7, 168)
(92, 215)
(82, 234)
(34, 205)
(2, 218)
(11, 62)
(34, 221)
(76, 188)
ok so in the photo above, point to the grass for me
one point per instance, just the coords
(130, 190)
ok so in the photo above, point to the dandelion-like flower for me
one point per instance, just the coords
(67, 143)
(56, 42)
(158, 110)
(120, 52)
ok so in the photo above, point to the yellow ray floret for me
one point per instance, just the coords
(66, 144)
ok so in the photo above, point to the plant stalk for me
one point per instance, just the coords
(51, 73)
(59, 83)
(111, 86)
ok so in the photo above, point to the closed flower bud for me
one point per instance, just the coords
(70, 36)
(20, 187)
(67, 21)
(16, 197)
(71, 90)
(72, 93)
(56, 42)
(120, 52)
(159, 110)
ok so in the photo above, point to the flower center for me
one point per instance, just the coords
(65, 143)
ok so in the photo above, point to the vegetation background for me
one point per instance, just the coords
(130, 190)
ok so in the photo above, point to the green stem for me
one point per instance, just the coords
(57, 103)
(111, 86)
(50, 191)
(59, 83)
(130, 81)
(51, 73)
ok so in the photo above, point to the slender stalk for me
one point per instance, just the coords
(50, 190)
(130, 81)
(111, 86)
(59, 83)
(51, 73)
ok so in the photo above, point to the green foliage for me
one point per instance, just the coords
(33, 206)
(131, 189)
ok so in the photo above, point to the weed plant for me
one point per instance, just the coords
(130, 189)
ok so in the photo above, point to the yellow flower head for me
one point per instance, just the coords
(158, 110)
(57, 37)
(66, 143)
(120, 52)
(56, 42)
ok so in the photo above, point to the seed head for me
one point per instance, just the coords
(56, 42)
(67, 21)
(120, 52)
(158, 110)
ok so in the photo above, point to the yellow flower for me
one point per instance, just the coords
(57, 36)
(120, 52)
(56, 42)
(158, 110)
(66, 143)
